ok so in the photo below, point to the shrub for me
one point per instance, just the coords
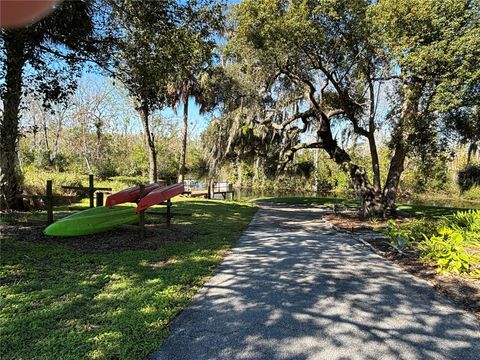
(472, 194)
(469, 177)
(408, 234)
(449, 242)
(465, 222)
(104, 169)
(399, 238)
(469, 220)
(448, 251)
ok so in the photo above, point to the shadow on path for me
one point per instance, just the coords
(293, 288)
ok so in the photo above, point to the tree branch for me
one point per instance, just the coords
(289, 154)
(301, 115)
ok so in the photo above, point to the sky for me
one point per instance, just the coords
(197, 122)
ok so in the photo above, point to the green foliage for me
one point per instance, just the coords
(469, 177)
(43, 60)
(409, 234)
(469, 220)
(399, 238)
(58, 303)
(35, 180)
(52, 74)
(472, 194)
(324, 55)
(448, 250)
(465, 222)
(436, 40)
(429, 211)
(418, 228)
(451, 242)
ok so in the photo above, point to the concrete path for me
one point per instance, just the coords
(294, 288)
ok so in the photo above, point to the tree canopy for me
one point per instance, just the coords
(44, 60)
(323, 65)
(158, 44)
(282, 77)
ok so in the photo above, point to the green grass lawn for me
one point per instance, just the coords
(312, 200)
(415, 210)
(62, 304)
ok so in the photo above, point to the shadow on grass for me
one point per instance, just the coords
(312, 201)
(61, 304)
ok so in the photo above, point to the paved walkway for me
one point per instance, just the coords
(294, 288)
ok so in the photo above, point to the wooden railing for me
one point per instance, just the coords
(49, 198)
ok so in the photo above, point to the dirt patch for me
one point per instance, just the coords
(119, 239)
(461, 290)
(352, 221)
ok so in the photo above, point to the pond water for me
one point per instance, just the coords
(249, 193)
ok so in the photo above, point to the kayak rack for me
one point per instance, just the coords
(168, 214)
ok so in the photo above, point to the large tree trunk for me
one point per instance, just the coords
(239, 172)
(409, 112)
(150, 141)
(375, 163)
(393, 179)
(183, 150)
(370, 199)
(9, 132)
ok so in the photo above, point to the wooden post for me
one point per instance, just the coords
(91, 190)
(209, 189)
(141, 216)
(169, 213)
(49, 202)
(99, 199)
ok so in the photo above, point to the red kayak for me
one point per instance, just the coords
(160, 195)
(130, 195)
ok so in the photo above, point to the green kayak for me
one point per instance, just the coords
(93, 221)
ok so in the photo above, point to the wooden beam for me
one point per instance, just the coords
(91, 190)
(67, 187)
(49, 202)
(141, 216)
(99, 199)
(169, 213)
